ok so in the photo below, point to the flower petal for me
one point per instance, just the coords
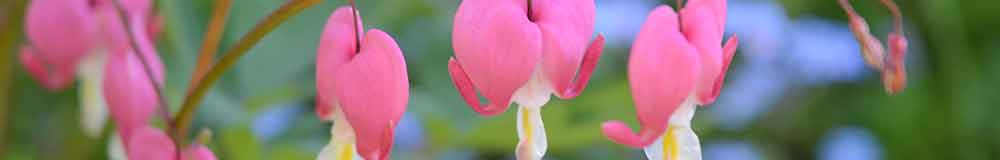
(52, 77)
(130, 98)
(465, 88)
(62, 31)
(566, 26)
(497, 47)
(701, 29)
(93, 111)
(718, 9)
(586, 69)
(729, 50)
(373, 90)
(337, 46)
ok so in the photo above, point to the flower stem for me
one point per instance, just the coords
(897, 17)
(357, 36)
(210, 42)
(8, 42)
(186, 114)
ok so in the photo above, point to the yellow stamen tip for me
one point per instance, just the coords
(670, 149)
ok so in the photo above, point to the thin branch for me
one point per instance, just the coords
(530, 16)
(229, 58)
(210, 43)
(357, 36)
(844, 4)
(897, 16)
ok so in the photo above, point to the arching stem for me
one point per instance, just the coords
(210, 41)
(897, 16)
(229, 58)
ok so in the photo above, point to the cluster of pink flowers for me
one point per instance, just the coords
(66, 34)
(511, 51)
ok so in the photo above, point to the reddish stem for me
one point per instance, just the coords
(897, 16)
(357, 36)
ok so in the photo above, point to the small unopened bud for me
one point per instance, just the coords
(894, 74)
(871, 47)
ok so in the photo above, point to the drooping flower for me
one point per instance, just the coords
(59, 33)
(361, 86)
(523, 51)
(67, 38)
(676, 63)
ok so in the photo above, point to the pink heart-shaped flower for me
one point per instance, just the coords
(663, 71)
(130, 97)
(369, 84)
(59, 33)
(499, 44)
(673, 60)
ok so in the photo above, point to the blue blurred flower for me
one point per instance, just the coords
(822, 52)
(273, 121)
(850, 143)
(779, 54)
(618, 19)
(410, 133)
(732, 150)
(756, 85)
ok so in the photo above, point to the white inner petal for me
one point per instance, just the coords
(116, 150)
(93, 112)
(679, 142)
(341, 146)
(532, 142)
(535, 93)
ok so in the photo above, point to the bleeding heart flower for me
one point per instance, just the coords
(128, 91)
(59, 33)
(676, 63)
(362, 87)
(130, 97)
(67, 37)
(523, 51)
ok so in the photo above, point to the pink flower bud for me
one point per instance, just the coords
(894, 74)
(148, 143)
